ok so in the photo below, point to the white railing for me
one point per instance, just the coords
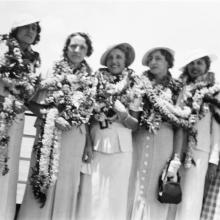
(25, 154)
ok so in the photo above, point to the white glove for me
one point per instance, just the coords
(119, 107)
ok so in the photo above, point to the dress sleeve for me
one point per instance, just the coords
(215, 140)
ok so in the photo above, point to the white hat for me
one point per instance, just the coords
(24, 19)
(145, 57)
(195, 55)
(130, 49)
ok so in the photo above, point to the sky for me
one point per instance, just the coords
(180, 25)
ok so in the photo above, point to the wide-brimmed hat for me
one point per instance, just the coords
(145, 57)
(24, 19)
(129, 48)
(195, 55)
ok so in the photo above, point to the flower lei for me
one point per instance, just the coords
(72, 98)
(111, 88)
(199, 96)
(158, 105)
(20, 82)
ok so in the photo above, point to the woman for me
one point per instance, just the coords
(155, 142)
(62, 138)
(104, 192)
(18, 79)
(202, 95)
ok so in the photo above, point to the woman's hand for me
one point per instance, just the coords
(87, 154)
(212, 171)
(62, 124)
(120, 110)
(173, 168)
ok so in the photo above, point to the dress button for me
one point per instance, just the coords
(147, 146)
(141, 187)
(145, 163)
(144, 171)
(142, 178)
(148, 138)
(141, 192)
(146, 155)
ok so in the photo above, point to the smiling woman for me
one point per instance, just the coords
(62, 138)
(110, 130)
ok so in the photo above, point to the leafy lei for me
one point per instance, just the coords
(159, 103)
(110, 88)
(20, 80)
(201, 96)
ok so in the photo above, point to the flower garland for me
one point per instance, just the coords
(47, 157)
(72, 95)
(199, 96)
(111, 88)
(20, 82)
(158, 106)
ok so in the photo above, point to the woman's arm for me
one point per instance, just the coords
(88, 151)
(128, 118)
(131, 120)
(215, 149)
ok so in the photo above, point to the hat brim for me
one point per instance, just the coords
(104, 56)
(145, 57)
(212, 57)
(25, 19)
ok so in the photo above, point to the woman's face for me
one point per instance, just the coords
(116, 61)
(27, 34)
(197, 68)
(77, 49)
(157, 64)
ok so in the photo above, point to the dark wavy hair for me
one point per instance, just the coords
(168, 57)
(127, 53)
(87, 39)
(186, 72)
(14, 32)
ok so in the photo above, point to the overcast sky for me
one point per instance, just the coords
(180, 25)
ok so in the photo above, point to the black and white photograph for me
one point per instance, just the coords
(109, 110)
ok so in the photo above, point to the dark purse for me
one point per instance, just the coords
(169, 191)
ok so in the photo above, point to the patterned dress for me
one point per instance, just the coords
(211, 205)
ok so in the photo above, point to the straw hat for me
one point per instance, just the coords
(195, 55)
(130, 49)
(24, 19)
(145, 57)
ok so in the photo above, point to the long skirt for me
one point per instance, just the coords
(8, 182)
(153, 151)
(104, 193)
(192, 183)
(61, 197)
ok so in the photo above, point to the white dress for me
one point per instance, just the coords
(8, 182)
(152, 152)
(62, 197)
(193, 179)
(104, 192)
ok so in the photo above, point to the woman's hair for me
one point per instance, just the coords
(186, 73)
(87, 39)
(168, 57)
(126, 51)
(14, 32)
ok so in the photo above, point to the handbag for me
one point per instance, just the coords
(168, 190)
